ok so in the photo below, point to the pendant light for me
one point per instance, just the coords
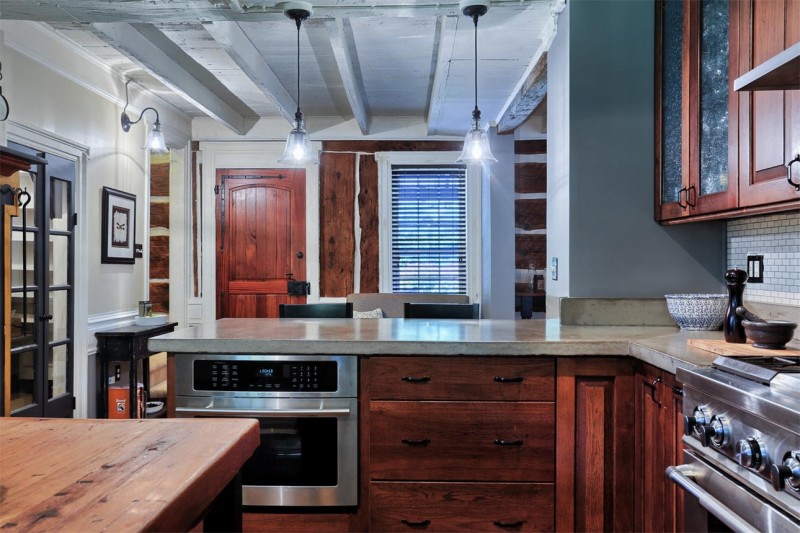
(155, 139)
(298, 146)
(476, 144)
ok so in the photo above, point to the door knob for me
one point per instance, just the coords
(300, 255)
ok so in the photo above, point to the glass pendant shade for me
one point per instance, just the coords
(298, 148)
(476, 147)
(155, 140)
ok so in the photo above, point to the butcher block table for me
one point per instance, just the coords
(122, 475)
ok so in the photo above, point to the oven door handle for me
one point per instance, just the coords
(681, 475)
(276, 413)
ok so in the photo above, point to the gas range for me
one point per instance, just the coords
(742, 422)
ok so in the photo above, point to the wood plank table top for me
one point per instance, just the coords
(117, 475)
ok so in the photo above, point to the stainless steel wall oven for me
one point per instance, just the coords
(742, 445)
(307, 407)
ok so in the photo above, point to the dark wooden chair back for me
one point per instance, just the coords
(425, 310)
(325, 310)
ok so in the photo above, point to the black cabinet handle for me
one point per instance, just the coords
(416, 442)
(500, 442)
(46, 317)
(420, 523)
(509, 525)
(517, 379)
(680, 196)
(411, 379)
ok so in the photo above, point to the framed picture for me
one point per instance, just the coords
(119, 226)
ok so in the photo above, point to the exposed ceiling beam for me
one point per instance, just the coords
(444, 40)
(242, 50)
(161, 11)
(341, 37)
(156, 53)
(529, 96)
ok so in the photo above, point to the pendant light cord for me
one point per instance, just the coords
(476, 113)
(299, 114)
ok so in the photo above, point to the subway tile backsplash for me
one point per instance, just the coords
(777, 238)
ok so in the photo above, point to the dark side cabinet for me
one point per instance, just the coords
(659, 420)
(128, 345)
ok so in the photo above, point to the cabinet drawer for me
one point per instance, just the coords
(461, 506)
(462, 441)
(460, 378)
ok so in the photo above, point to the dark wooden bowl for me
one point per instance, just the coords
(772, 334)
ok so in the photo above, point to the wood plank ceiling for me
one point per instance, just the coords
(377, 64)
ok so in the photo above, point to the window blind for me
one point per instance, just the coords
(429, 229)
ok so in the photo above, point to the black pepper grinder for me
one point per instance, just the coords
(732, 327)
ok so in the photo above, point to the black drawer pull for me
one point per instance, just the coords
(416, 442)
(509, 525)
(500, 379)
(411, 523)
(501, 442)
(411, 379)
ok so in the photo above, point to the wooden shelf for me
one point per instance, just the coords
(781, 72)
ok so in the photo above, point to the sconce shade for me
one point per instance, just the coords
(155, 140)
(476, 147)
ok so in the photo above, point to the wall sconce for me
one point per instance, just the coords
(155, 139)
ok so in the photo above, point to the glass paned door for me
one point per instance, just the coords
(42, 287)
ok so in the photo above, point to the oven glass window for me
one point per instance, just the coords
(294, 452)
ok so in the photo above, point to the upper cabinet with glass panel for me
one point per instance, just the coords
(720, 153)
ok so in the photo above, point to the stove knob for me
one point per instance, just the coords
(750, 453)
(718, 432)
(694, 423)
(788, 471)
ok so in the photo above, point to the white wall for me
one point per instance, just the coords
(497, 221)
(600, 208)
(55, 89)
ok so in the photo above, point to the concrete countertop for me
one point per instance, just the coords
(426, 337)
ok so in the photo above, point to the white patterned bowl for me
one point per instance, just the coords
(698, 312)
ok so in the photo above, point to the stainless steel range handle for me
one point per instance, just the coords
(269, 413)
(681, 475)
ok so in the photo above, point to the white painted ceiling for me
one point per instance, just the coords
(234, 60)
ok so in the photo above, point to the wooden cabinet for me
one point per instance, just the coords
(769, 125)
(447, 435)
(722, 153)
(595, 433)
(659, 421)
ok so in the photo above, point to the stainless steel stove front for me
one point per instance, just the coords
(742, 439)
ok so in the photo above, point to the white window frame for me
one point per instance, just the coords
(385, 162)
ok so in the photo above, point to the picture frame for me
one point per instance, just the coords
(119, 227)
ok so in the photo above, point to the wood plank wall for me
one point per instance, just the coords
(159, 232)
(338, 165)
(530, 208)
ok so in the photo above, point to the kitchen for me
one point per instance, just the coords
(600, 154)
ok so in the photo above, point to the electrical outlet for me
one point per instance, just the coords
(554, 268)
(755, 268)
(117, 373)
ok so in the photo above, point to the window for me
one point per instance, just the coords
(430, 223)
(429, 229)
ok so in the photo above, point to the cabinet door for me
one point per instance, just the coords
(594, 444)
(659, 420)
(696, 112)
(770, 120)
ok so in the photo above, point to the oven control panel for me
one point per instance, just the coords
(265, 376)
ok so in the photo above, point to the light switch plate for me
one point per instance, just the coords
(554, 268)
(755, 268)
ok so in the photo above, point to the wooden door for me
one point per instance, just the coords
(260, 240)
